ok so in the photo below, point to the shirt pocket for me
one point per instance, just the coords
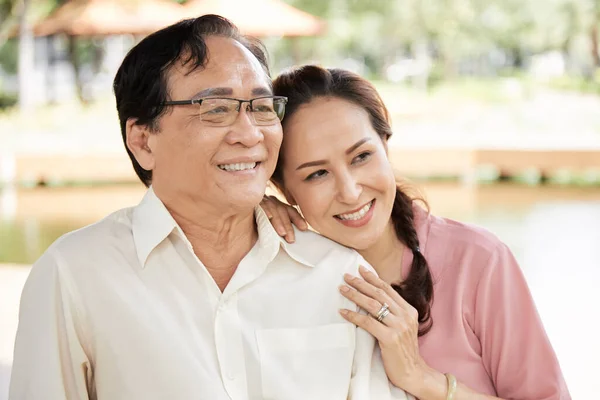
(307, 363)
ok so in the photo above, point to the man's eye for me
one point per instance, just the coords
(217, 110)
(263, 109)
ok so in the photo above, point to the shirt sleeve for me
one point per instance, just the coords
(49, 360)
(515, 348)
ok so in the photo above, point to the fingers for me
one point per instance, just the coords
(380, 284)
(266, 205)
(369, 324)
(286, 223)
(277, 214)
(297, 219)
(365, 290)
(273, 214)
(368, 303)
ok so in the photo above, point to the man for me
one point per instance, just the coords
(192, 294)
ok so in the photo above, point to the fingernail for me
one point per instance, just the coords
(344, 312)
(344, 288)
(362, 269)
(348, 277)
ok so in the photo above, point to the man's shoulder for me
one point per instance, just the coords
(318, 250)
(111, 232)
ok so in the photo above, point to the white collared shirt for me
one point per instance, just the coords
(124, 310)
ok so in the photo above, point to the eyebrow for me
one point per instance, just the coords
(225, 91)
(322, 162)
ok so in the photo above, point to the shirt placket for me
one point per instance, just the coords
(230, 351)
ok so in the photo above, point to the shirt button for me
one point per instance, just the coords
(230, 376)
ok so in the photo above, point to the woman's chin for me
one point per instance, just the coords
(359, 242)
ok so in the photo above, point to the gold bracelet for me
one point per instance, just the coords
(451, 386)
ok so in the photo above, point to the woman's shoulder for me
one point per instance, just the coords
(462, 234)
(456, 245)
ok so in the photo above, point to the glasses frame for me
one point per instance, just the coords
(239, 107)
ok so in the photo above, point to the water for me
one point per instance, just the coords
(553, 231)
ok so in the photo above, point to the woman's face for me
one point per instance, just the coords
(337, 171)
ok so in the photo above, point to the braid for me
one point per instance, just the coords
(417, 289)
(301, 86)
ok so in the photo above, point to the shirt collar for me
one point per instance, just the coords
(270, 242)
(151, 224)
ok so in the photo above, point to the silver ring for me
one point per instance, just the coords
(383, 315)
(383, 312)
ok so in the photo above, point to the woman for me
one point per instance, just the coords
(482, 336)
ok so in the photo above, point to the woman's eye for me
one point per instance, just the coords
(316, 175)
(361, 157)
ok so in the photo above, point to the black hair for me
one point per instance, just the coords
(140, 84)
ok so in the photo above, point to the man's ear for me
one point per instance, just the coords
(139, 144)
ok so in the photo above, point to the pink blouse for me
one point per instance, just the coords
(486, 330)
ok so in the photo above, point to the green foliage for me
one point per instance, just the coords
(7, 100)
(374, 34)
(9, 56)
(377, 32)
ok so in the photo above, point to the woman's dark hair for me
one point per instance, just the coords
(301, 86)
(140, 85)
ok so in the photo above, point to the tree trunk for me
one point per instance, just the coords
(73, 57)
(26, 54)
(594, 44)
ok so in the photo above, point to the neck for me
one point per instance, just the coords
(220, 240)
(385, 255)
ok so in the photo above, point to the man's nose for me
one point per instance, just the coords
(243, 130)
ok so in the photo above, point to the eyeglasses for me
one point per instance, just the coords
(214, 111)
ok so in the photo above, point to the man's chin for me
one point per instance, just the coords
(248, 197)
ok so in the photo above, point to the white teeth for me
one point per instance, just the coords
(357, 215)
(238, 166)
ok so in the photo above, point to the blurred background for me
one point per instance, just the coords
(495, 107)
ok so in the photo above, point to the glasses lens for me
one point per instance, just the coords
(279, 106)
(218, 112)
(267, 111)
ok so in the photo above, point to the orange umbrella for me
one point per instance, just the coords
(110, 17)
(259, 17)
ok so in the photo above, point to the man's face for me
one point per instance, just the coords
(200, 163)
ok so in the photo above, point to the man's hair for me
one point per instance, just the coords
(140, 85)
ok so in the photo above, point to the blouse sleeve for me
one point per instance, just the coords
(515, 348)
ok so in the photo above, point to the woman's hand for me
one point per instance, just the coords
(282, 216)
(397, 332)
